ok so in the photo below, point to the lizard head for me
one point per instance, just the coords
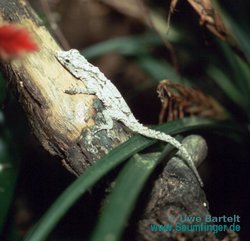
(71, 57)
(72, 60)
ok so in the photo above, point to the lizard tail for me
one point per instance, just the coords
(143, 130)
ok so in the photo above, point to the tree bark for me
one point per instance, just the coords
(61, 122)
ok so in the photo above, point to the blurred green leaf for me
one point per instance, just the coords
(158, 69)
(8, 175)
(244, 68)
(241, 36)
(227, 86)
(235, 71)
(8, 163)
(131, 45)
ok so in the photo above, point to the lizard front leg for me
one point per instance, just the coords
(74, 90)
(108, 121)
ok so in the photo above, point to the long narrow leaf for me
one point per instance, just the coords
(238, 32)
(158, 69)
(238, 76)
(82, 184)
(130, 45)
(100, 168)
(227, 86)
(129, 182)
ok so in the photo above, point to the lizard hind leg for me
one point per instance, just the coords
(108, 125)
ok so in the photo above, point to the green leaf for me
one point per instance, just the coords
(241, 36)
(59, 208)
(237, 70)
(131, 45)
(82, 184)
(227, 86)
(245, 72)
(130, 182)
(158, 69)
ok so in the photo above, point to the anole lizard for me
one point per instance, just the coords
(115, 106)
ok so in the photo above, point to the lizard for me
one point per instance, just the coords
(115, 107)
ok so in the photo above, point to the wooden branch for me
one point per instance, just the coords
(58, 120)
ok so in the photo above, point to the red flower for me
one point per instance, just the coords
(15, 41)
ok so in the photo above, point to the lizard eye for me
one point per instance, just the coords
(67, 60)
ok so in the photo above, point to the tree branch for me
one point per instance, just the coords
(58, 120)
